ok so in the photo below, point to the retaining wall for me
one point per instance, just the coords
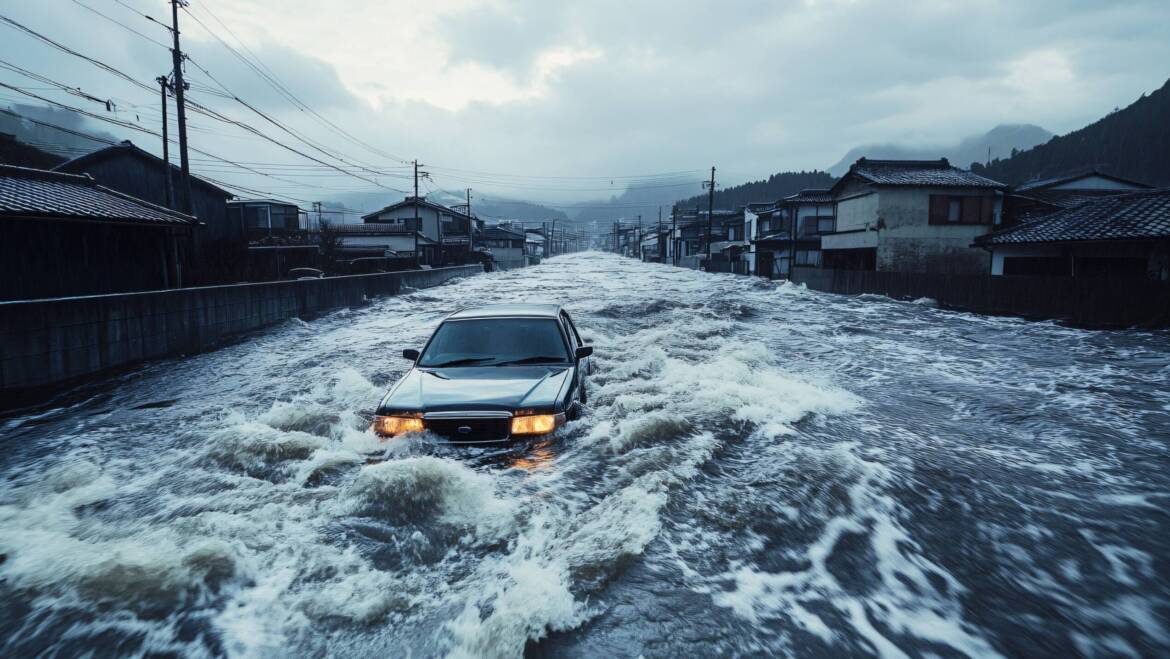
(47, 343)
(1091, 302)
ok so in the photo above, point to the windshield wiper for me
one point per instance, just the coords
(461, 362)
(539, 359)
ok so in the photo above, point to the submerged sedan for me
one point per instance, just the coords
(491, 374)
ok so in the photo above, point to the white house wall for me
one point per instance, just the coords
(907, 242)
(1015, 251)
(428, 216)
(1095, 183)
(855, 213)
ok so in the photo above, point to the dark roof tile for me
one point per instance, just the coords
(1133, 216)
(46, 194)
(919, 173)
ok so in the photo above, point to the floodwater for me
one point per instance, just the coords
(762, 469)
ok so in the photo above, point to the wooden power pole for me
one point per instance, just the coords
(710, 211)
(181, 110)
(162, 85)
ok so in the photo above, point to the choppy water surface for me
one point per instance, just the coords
(763, 469)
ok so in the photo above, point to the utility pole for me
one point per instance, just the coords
(162, 87)
(181, 109)
(710, 212)
(792, 240)
(673, 229)
(470, 225)
(658, 236)
(417, 227)
(639, 237)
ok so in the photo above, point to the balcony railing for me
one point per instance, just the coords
(372, 228)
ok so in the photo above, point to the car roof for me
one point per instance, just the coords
(504, 310)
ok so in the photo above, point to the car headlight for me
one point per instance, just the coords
(388, 426)
(536, 424)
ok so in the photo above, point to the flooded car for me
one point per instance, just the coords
(491, 374)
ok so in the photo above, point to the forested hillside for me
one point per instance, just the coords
(1133, 142)
(777, 186)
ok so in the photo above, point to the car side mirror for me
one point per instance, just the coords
(584, 351)
(411, 354)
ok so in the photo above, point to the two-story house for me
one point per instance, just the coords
(219, 249)
(507, 246)
(1034, 198)
(911, 216)
(447, 233)
(789, 233)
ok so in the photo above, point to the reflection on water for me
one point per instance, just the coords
(538, 456)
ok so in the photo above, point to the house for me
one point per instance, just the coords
(689, 239)
(507, 247)
(1126, 235)
(534, 242)
(219, 246)
(911, 216)
(648, 245)
(277, 237)
(449, 235)
(728, 241)
(15, 152)
(374, 246)
(1035, 198)
(64, 235)
(789, 233)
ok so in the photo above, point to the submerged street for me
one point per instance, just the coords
(762, 468)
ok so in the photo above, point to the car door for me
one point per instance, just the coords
(584, 367)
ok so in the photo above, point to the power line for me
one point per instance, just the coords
(270, 77)
(196, 106)
(141, 129)
(121, 24)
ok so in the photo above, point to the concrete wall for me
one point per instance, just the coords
(511, 263)
(401, 243)
(47, 343)
(909, 243)
(857, 212)
(1092, 302)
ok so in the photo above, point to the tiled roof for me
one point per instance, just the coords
(37, 193)
(1074, 175)
(811, 197)
(411, 201)
(918, 172)
(1069, 198)
(500, 233)
(79, 164)
(1133, 216)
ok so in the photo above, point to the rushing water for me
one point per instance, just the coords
(763, 469)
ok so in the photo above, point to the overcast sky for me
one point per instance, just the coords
(606, 89)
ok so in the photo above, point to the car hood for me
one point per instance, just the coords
(477, 388)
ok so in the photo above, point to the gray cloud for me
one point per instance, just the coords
(752, 87)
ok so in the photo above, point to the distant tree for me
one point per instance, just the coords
(776, 187)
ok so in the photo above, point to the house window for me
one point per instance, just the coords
(808, 226)
(952, 209)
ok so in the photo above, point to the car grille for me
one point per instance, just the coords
(477, 429)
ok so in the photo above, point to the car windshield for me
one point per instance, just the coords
(496, 341)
